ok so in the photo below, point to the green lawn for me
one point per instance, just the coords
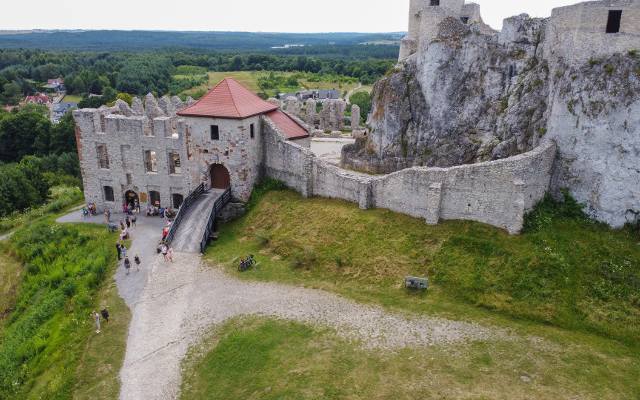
(272, 359)
(567, 289)
(72, 98)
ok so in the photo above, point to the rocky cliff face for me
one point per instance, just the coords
(595, 119)
(464, 98)
(470, 96)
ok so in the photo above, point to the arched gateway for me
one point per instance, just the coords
(220, 178)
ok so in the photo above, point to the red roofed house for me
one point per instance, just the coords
(225, 133)
(38, 98)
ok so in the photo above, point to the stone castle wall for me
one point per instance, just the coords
(126, 139)
(577, 33)
(498, 193)
(235, 150)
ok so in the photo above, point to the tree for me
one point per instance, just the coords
(63, 135)
(363, 100)
(26, 132)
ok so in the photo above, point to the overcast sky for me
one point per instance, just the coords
(240, 15)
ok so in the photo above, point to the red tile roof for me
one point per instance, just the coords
(228, 99)
(287, 125)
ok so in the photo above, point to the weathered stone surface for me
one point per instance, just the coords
(310, 111)
(137, 107)
(355, 117)
(595, 118)
(123, 108)
(151, 108)
(463, 94)
(498, 193)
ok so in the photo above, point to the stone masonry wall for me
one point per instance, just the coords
(498, 193)
(126, 139)
(235, 150)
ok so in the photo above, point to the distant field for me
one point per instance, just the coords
(72, 98)
(251, 79)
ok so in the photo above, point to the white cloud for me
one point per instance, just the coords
(240, 15)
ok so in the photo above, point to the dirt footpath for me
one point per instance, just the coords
(181, 301)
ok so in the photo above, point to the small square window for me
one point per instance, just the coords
(215, 132)
(465, 20)
(435, 3)
(174, 163)
(252, 128)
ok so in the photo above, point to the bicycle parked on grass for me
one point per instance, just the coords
(247, 263)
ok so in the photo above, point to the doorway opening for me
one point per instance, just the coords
(131, 199)
(220, 178)
(178, 199)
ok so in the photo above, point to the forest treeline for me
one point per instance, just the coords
(35, 156)
(22, 72)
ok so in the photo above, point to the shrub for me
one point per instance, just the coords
(549, 209)
(45, 335)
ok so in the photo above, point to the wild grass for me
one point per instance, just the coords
(61, 198)
(255, 358)
(47, 348)
(564, 271)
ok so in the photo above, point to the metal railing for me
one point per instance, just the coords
(184, 208)
(217, 207)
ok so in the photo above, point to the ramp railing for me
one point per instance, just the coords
(184, 208)
(222, 201)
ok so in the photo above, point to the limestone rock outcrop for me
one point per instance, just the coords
(469, 95)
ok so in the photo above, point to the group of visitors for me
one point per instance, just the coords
(89, 210)
(131, 207)
(121, 248)
(97, 317)
(125, 225)
(157, 211)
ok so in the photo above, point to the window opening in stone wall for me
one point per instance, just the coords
(151, 161)
(435, 3)
(215, 132)
(178, 199)
(129, 179)
(252, 128)
(465, 20)
(108, 194)
(154, 198)
(124, 154)
(103, 156)
(174, 163)
(615, 18)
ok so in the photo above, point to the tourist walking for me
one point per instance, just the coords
(164, 250)
(134, 220)
(170, 254)
(107, 219)
(123, 249)
(136, 260)
(128, 222)
(119, 250)
(105, 314)
(96, 320)
(127, 264)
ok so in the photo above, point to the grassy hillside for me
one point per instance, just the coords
(564, 271)
(48, 347)
(271, 359)
(566, 290)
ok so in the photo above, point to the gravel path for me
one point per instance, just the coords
(174, 304)
(181, 301)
